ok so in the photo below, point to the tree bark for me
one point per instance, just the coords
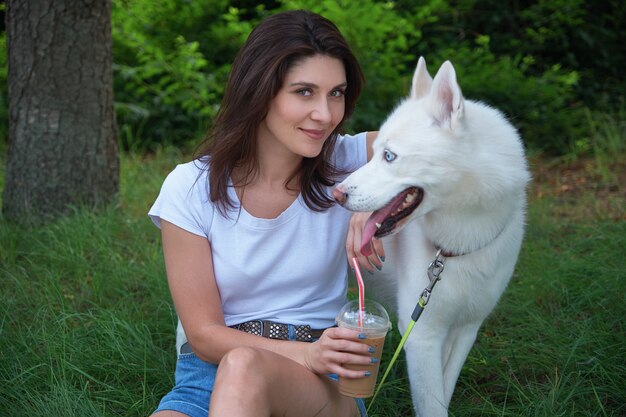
(62, 131)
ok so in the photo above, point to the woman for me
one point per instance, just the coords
(252, 241)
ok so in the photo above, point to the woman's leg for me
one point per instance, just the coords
(256, 382)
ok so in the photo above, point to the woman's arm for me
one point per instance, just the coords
(189, 265)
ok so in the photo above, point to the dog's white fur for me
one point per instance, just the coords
(469, 161)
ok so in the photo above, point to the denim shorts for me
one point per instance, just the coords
(194, 380)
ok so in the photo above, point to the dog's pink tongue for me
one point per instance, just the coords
(370, 229)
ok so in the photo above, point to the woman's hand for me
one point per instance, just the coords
(354, 244)
(338, 347)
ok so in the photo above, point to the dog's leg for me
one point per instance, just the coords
(460, 343)
(425, 369)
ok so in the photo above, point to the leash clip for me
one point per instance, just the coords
(434, 270)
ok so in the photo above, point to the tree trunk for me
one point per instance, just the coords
(62, 131)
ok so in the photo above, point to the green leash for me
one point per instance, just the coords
(434, 270)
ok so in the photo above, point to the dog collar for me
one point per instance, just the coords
(448, 254)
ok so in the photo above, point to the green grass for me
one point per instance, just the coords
(86, 322)
(87, 325)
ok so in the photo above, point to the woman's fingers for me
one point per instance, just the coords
(354, 244)
(378, 252)
(345, 345)
(347, 349)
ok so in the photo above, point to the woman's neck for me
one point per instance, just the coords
(269, 190)
(275, 166)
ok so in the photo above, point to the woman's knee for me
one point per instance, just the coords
(242, 365)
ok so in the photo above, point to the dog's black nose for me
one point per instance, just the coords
(340, 195)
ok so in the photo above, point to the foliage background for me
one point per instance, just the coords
(86, 318)
(551, 65)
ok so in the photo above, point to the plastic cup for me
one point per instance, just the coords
(375, 325)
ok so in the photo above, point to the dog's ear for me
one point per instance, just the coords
(422, 80)
(445, 100)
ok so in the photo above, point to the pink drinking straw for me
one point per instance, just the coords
(359, 280)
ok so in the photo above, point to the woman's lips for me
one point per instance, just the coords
(314, 133)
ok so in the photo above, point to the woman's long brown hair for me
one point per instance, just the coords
(257, 75)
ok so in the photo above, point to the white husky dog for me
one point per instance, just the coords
(447, 173)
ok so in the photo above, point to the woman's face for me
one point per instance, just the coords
(308, 107)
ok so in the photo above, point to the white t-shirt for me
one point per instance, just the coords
(290, 269)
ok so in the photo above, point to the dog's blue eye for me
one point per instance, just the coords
(389, 156)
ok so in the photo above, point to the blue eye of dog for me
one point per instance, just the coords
(389, 156)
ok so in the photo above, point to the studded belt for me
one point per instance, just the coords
(273, 330)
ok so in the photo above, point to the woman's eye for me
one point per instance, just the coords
(304, 92)
(337, 93)
(389, 156)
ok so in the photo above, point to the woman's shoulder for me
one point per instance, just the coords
(352, 137)
(194, 168)
(183, 199)
(351, 150)
(188, 174)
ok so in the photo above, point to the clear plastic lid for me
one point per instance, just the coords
(375, 320)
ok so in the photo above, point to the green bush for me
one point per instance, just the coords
(171, 61)
(530, 59)
(539, 106)
(169, 95)
(579, 35)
